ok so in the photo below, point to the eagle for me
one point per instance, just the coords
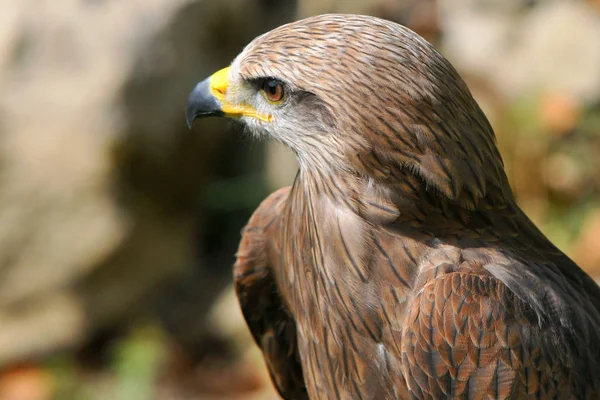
(398, 265)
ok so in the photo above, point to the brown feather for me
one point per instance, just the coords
(399, 264)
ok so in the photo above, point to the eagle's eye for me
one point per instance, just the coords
(273, 90)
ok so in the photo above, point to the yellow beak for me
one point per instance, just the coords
(208, 99)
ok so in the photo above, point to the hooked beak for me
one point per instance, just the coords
(202, 103)
(208, 99)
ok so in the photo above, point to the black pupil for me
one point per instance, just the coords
(272, 86)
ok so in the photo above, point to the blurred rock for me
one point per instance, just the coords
(553, 43)
(100, 178)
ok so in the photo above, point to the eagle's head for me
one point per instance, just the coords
(359, 94)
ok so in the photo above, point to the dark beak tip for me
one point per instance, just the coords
(190, 118)
(201, 103)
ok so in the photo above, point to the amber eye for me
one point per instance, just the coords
(273, 90)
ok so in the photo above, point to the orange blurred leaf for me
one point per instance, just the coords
(559, 112)
(25, 383)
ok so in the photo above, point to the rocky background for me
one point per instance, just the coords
(118, 225)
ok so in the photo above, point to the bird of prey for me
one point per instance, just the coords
(398, 264)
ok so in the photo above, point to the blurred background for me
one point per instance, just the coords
(118, 225)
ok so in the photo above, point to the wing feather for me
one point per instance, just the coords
(271, 325)
(469, 336)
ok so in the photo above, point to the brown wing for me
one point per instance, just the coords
(469, 336)
(271, 325)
